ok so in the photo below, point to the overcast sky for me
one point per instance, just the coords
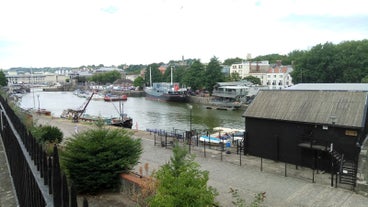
(71, 33)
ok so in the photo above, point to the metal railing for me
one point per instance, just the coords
(37, 177)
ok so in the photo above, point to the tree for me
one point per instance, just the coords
(253, 80)
(234, 76)
(231, 61)
(106, 77)
(3, 80)
(213, 74)
(138, 82)
(272, 58)
(194, 76)
(346, 62)
(181, 183)
(94, 159)
(154, 72)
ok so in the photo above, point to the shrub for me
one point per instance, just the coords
(94, 159)
(181, 183)
(47, 134)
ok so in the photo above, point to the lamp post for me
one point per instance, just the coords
(190, 127)
(190, 118)
(38, 99)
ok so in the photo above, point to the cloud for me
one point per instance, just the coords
(73, 33)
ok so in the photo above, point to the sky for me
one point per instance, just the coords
(72, 33)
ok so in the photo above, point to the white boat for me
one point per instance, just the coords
(221, 136)
(236, 134)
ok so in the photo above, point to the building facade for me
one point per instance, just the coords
(274, 76)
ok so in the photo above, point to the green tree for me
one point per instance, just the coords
(177, 74)
(138, 82)
(253, 80)
(234, 76)
(94, 159)
(213, 74)
(365, 79)
(346, 62)
(3, 80)
(231, 61)
(273, 58)
(106, 77)
(194, 76)
(154, 72)
(182, 183)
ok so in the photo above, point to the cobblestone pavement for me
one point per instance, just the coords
(295, 189)
(7, 193)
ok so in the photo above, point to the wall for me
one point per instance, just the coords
(278, 140)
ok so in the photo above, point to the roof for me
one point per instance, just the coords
(345, 108)
(330, 86)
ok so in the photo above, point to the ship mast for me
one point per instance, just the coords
(150, 77)
(171, 75)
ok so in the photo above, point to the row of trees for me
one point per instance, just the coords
(346, 62)
(196, 76)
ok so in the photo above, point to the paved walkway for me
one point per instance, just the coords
(7, 193)
(297, 189)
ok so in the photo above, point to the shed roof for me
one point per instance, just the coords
(330, 86)
(344, 108)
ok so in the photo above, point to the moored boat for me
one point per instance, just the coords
(110, 97)
(163, 91)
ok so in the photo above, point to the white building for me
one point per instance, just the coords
(273, 76)
(278, 77)
(245, 68)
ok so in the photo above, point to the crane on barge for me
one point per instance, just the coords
(75, 114)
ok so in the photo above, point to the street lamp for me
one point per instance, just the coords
(190, 118)
(190, 126)
(38, 98)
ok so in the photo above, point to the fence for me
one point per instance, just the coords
(236, 154)
(37, 177)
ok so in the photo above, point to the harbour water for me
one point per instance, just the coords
(146, 114)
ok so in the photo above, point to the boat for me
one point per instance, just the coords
(215, 139)
(110, 97)
(123, 121)
(224, 135)
(43, 112)
(164, 91)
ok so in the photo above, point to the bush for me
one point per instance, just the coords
(94, 159)
(47, 134)
(181, 182)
